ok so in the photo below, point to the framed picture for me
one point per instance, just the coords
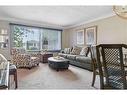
(80, 37)
(91, 35)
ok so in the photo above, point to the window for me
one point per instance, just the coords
(3, 38)
(53, 38)
(33, 38)
(26, 37)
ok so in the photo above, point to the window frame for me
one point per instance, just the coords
(59, 30)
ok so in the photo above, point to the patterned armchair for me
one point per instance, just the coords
(23, 59)
(36, 55)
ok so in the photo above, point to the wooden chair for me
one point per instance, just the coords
(113, 63)
(13, 71)
(94, 63)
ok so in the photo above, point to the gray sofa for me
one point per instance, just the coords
(79, 60)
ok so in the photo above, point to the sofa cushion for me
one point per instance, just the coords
(84, 51)
(76, 50)
(63, 55)
(83, 59)
(71, 57)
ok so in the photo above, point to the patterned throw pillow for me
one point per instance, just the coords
(84, 51)
(76, 50)
(67, 50)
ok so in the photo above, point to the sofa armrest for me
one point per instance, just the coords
(62, 51)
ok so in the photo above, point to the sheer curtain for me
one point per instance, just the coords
(53, 37)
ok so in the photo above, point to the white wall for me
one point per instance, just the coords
(5, 52)
(110, 30)
(65, 39)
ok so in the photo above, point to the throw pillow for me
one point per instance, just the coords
(76, 50)
(84, 51)
(67, 50)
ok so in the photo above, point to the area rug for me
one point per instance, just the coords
(43, 77)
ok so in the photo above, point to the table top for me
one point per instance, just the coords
(60, 59)
(4, 75)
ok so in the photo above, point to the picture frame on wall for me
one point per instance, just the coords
(91, 35)
(80, 37)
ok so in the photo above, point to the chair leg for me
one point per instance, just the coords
(29, 68)
(9, 82)
(38, 64)
(15, 79)
(94, 77)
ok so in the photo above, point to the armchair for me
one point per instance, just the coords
(24, 60)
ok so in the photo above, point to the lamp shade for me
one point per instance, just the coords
(121, 11)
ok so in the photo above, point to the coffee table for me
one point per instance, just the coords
(58, 63)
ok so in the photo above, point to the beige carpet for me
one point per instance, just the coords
(43, 77)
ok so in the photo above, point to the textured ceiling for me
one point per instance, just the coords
(63, 16)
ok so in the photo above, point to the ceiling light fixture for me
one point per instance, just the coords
(121, 11)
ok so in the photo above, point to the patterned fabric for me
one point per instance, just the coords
(67, 50)
(23, 60)
(15, 51)
(76, 50)
(38, 55)
(84, 51)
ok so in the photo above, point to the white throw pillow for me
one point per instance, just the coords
(67, 50)
(84, 51)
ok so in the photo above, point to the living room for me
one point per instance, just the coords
(54, 48)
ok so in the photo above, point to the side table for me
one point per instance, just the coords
(44, 57)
